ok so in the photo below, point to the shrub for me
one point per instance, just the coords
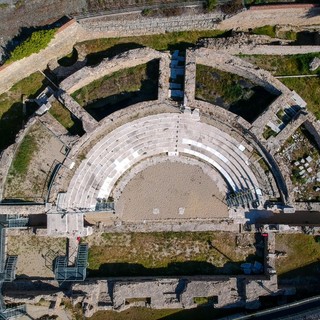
(36, 42)
(211, 5)
(146, 12)
(266, 30)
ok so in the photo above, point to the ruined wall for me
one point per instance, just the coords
(126, 27)
(93, 28)
(245, 43)
(124, 60)
(229, 63)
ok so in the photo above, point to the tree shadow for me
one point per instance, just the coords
(97, 57)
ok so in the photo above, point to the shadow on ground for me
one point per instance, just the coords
(186, 268)
(13, 120)
(96, 57)
(102, 107)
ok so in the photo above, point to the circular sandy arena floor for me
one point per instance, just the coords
(171, 190)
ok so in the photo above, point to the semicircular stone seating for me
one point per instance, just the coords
(135, 141)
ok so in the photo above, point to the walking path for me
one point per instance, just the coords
(73, 32)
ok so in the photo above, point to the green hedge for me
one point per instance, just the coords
(36, 42)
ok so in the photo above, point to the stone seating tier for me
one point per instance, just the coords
(133, 142)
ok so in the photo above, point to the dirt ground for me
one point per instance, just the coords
(35, 254)
(33, 185)
(171, 191)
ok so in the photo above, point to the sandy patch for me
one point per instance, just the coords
(35, 254)
(171, 190)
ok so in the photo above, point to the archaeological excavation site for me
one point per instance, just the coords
(147, 167)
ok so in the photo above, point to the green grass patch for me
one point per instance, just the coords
(268, 132)
(266, 30)
(283, 65)
(167, 253)
(308, 89)
(301, 249)
(211, 5)
(119, 89)
(166, 41)
(273, 33)
(232, 92)
(264, 165)
(64, 116)
(36, 42)
(26, 150)
(11, 113)
(211, 82)
(288, 35)
(135, 313)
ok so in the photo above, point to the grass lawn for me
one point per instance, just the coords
(232, 92)
(268, 132)
(119, 89)
(65, 117)
(203, 313)
(166, 41)
(266, 30)
(28, 147)
(308, 89)
(33, 162)
(302, 250)
(11, 113)
(283, 65)
(167, 253)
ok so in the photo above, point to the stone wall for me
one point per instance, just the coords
(124, 60)
(93, 28)
(313, 128)
(161, 292)
(245, 43)
(127, 27)
(229, 63)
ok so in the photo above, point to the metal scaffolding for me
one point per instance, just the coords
(78, 272)
(8, 265)
(240, 198)
(107, 206)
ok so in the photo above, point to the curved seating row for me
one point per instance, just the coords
(158, 134)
